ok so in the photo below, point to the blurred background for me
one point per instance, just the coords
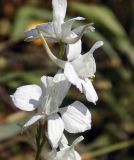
(21, 63)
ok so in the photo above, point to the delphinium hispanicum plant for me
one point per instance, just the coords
(45, 100)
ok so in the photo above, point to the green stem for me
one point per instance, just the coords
(39, 142)
(62, 50)
(40, 149)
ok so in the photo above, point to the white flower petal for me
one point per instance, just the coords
(76, 117)
(57, 88)
(77, 140)
(79, 29)
(27, 97)
(61, 87)
(89, 91)
(67, 153)
(74, 156)
(72, 76)
(95, 46)
(74, 40)
(46, 84)
(85, 66)
(31, 34)
(34, 119)
(63, 142)
(66, 26)
(59, 11)
(55, 129)
(46, 29)
(57, 29)
(73, 50)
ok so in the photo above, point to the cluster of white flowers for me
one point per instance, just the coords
(47, 98)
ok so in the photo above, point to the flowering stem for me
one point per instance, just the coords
(40, 140)
(62, 50)
(39, 150)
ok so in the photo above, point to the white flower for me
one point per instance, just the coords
(78, 67)
(45, 99)
(58, 30)
(66, 152)
(74, 118)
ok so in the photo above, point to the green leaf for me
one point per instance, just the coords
(9, 130)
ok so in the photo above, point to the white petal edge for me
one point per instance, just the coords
(63, 142)
(85, 66)
(61, 87)
(94, 47)
(66, 26)
(76, 117)
(74, 40)
(46, 29)
(33, 119)
(69, 152)
(72, 76)
(46, 83)
(73, 51)
(89, 91)
(59, 9)
(57, 88)
(55, 129)
(27, 97)
(76, 141)
(79, 29)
